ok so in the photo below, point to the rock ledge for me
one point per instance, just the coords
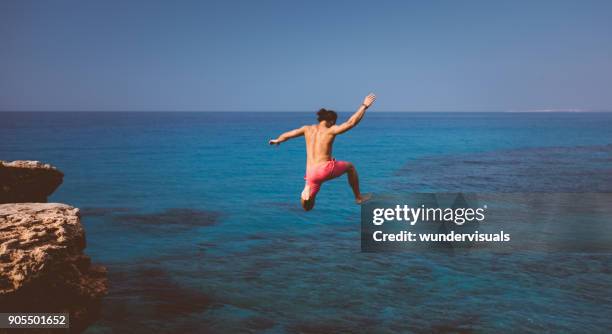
(27, 181)
(42, 265)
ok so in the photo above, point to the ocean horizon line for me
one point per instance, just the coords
(307, 111)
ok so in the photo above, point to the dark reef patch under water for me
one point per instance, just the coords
(146, 297)
(542, 169)
(101, 211)
(175, 219)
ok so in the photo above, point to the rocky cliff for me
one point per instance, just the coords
(42, 265)
(27, 181)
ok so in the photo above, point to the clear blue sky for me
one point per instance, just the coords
(299, 56)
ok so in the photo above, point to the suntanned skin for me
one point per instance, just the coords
(319, 141)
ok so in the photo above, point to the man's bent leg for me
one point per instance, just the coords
(353, 180)
(341, 167)
(308, 195)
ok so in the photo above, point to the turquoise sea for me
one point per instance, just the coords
(198, 220)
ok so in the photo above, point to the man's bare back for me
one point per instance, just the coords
(319, 140)
(320, 165)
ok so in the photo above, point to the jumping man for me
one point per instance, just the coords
(320, 166)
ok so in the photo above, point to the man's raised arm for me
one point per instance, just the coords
(356, 117)
(288, 135)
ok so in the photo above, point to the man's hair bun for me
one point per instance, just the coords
(327, 115)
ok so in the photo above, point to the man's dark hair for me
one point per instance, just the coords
(327, 115)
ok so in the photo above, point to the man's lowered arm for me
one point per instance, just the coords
(288, 135)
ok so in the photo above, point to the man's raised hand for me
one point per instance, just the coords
(367, 102)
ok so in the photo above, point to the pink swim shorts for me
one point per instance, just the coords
(322, 172)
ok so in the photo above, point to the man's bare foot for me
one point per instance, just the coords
(363, 198)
